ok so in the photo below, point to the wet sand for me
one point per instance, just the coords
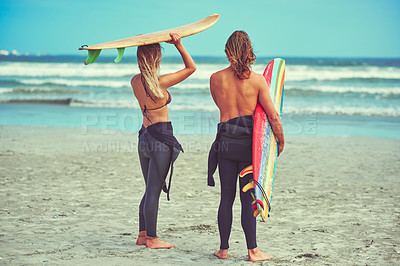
(70, 197)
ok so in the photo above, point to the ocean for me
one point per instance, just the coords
(322, 96)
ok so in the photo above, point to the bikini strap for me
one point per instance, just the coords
(168, 101)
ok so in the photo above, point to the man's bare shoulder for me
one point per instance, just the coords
(257, 79)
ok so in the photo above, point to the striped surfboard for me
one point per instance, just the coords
(265, 149)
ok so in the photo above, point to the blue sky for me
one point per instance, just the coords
(304, 28)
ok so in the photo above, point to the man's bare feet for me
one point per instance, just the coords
(256, 255)
(141, 240)
(154, 242)
(222, 253)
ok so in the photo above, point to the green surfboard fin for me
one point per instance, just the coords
(120, 55)
(92, 56)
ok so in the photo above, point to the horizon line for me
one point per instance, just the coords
(197, 56)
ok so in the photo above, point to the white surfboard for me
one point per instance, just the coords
(149, 38)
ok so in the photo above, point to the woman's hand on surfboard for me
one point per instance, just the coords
(176, 39)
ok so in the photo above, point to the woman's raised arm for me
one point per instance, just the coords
(171, 79)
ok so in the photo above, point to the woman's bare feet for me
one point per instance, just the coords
(222, 253)
(154, 242)
(141, 240)
(256, 255)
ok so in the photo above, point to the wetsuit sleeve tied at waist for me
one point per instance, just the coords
(168, 139)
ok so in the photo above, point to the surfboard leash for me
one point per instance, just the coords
(263, 193)
(252, 184)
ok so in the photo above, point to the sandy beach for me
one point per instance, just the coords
(70, 197)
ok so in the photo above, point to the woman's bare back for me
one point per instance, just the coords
(155, 116)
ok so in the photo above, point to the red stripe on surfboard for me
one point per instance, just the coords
(258, 138)
(268, 72)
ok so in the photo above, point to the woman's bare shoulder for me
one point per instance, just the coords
(135, 83)
(135, 78)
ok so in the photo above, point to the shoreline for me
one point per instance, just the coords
(66, 205)
(190, 122)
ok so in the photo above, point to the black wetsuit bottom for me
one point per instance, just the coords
(235, 154)
(155, 159)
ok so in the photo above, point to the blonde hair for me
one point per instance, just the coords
(240, 54)
(149, 58)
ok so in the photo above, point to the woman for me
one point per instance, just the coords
(235, 91)
(157, 146)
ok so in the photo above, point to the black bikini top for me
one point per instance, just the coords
(145, 109)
